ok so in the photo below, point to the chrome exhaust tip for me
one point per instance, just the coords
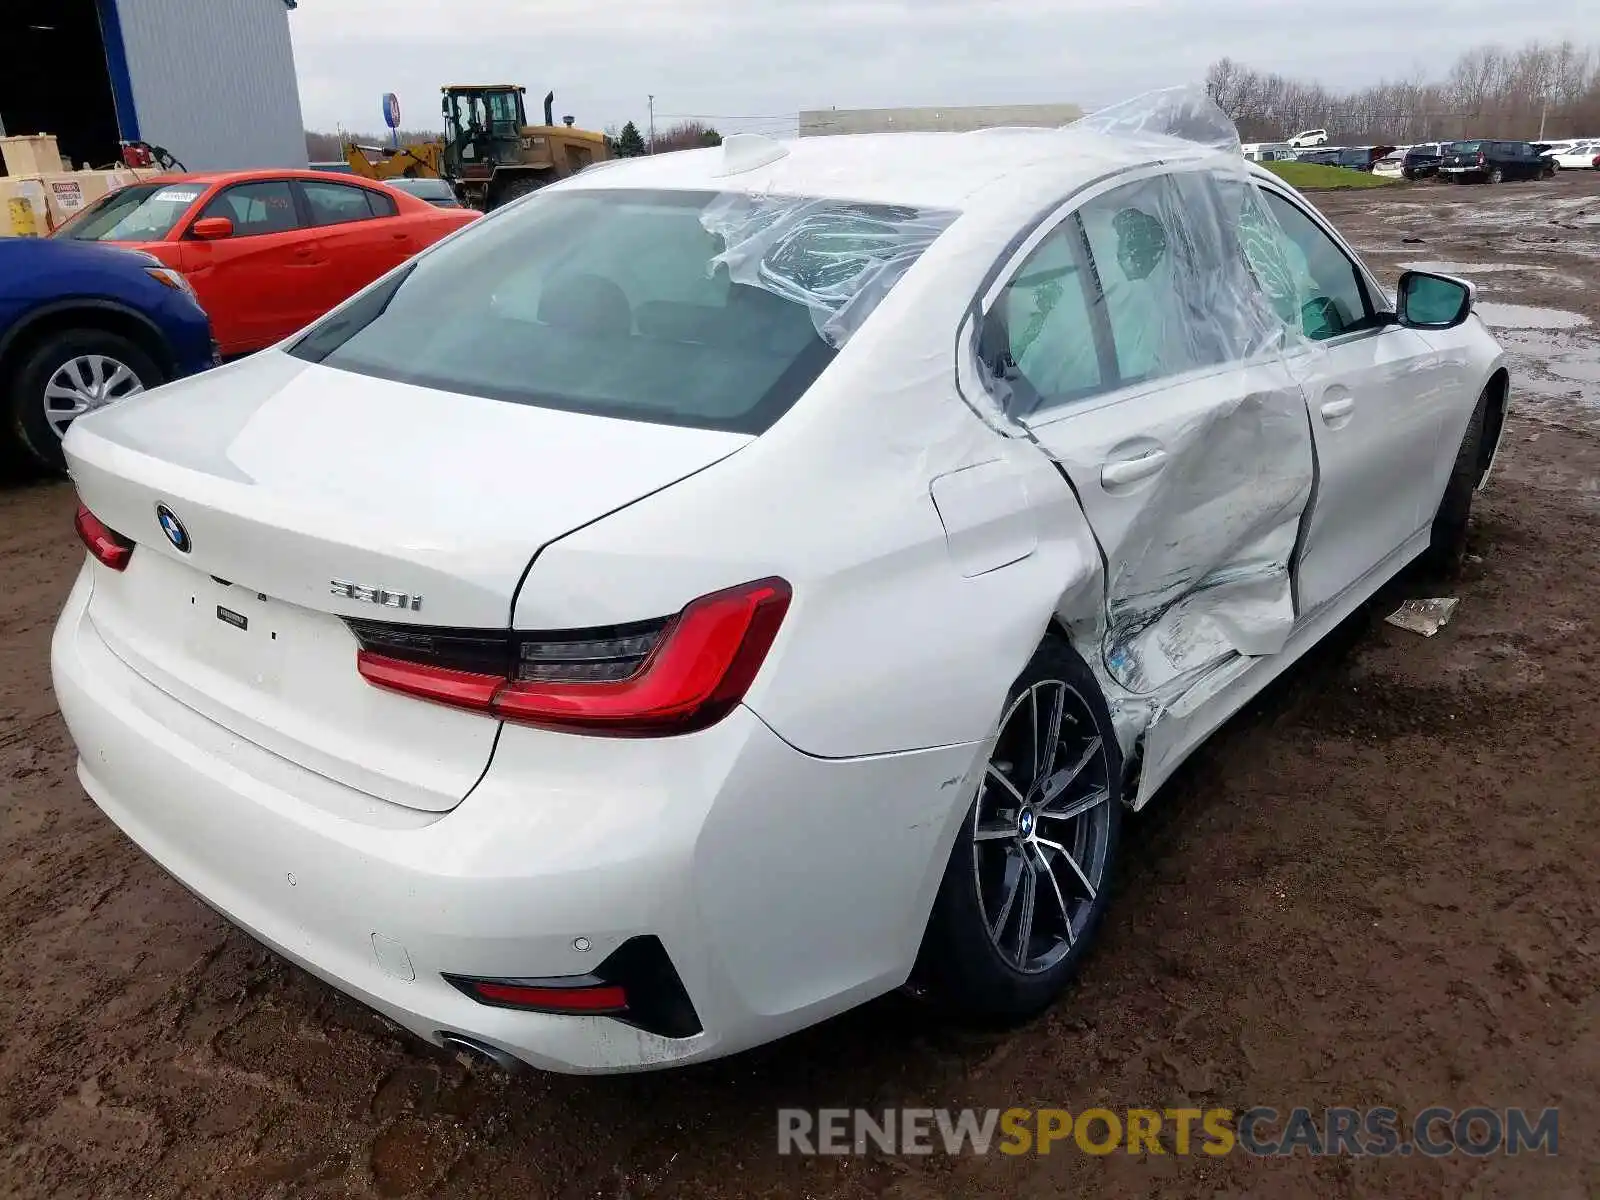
(475, 1049)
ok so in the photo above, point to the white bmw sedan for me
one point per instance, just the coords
(728, 586)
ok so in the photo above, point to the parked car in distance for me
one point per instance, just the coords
(1422, 160)
(436, 192)
(1493, 161)
(1576, 156)
(1267, 151)
(1309, 137)
(1390, 165)
(521, 614)
(267, 252)
(1353, 158)
(82, 326)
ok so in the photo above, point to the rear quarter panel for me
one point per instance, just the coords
(899, 637)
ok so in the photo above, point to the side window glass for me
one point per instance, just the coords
(256, 208)
(335, 203)
(1159, 257)
(1306, 276)
(1039, 334)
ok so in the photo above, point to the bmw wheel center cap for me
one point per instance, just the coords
(173, 528)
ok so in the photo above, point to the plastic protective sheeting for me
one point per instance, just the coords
(1198, 548)
(839, 259)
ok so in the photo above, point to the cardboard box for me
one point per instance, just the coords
(23, 209)
(69, 194)
(32, 154)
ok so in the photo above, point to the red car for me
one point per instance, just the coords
(267, 252)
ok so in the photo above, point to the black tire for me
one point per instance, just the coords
(1448, 544)
(23, 395)
(1495, 175)
(962, 966)
(514, 190)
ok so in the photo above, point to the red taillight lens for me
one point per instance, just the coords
(1481, 158)
(646, 680)
(106, 544)
(464, 689)
(1596, 163)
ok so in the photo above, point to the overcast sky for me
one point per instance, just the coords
(752, 64)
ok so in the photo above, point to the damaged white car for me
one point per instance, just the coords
(726, 586)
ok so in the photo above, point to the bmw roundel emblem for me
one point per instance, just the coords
(173, 528)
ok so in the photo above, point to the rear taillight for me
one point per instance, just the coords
(107, 545)
(1481, 158)
(1596, 163)
(648, 679)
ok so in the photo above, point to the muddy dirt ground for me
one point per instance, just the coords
(1378, 886)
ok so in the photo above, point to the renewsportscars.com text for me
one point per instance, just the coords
(1261, 1131)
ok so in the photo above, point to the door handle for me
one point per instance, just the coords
(400, 237)
(1132, 470)
(1333, 410)
(302, 252)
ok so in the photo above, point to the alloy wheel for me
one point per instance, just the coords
(1041, 827)
(83, 384)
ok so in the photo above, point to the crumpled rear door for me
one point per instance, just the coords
(1142, 357)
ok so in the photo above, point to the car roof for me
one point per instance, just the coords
(207, 178)
(929, 170)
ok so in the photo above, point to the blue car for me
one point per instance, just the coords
(81, 325)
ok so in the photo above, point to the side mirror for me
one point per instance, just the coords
(212, 229)
(1433, 301)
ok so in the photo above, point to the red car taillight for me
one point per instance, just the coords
(1596, 163)
(107, 545)
(1481, 158)
(649, 679)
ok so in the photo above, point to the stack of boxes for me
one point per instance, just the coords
(40, 193)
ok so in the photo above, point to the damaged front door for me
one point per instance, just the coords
(1132, 344)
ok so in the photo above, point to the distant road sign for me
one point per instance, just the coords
(391, 110)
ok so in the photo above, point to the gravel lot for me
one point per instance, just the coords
(1377, 886)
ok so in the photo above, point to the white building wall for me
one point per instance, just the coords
(214, 81)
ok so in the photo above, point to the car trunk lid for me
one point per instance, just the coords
(305, 496)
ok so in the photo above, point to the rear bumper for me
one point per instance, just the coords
(784, 888)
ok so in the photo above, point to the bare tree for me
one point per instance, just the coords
(1488, 92)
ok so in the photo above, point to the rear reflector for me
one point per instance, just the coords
(649, 679)
(108, 546)
(595, 999)
(635, 984)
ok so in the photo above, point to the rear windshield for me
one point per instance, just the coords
(427, 189)
(602, 302)
(1465, 147)
(144, 212)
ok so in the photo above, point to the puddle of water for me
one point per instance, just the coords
(1456, 268)
(1579, 370)
(1526, 316)
(1533, 344)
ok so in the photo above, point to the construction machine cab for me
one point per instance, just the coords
(483, 128)
(493, 155)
